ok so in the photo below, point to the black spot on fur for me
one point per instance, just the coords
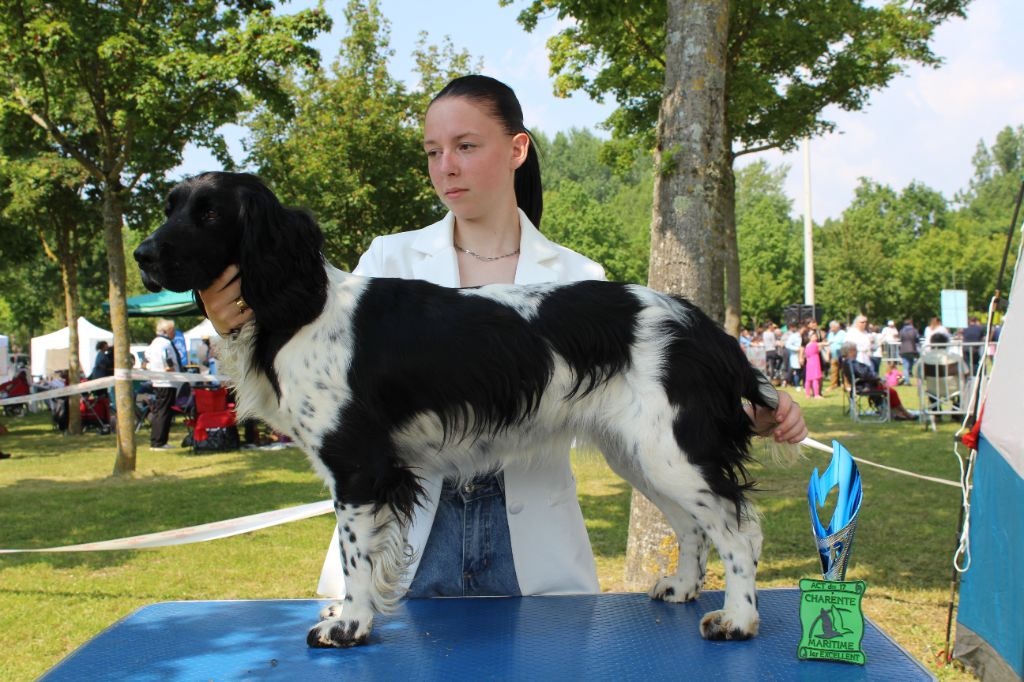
(592, 325)
(351, 537)
(749, 600)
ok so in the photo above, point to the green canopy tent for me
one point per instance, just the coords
(161, 304)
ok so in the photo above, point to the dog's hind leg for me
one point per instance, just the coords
(374, 560)
(688, 580)
(663, 473)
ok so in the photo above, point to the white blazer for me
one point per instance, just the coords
(550, 546)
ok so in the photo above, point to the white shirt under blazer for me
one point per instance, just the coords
(550, 546)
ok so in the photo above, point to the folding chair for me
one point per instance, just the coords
(865, 403)
(213, 428)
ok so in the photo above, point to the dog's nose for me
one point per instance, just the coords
(146, 254)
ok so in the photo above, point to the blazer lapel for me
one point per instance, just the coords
(536, 255)
(435, 256)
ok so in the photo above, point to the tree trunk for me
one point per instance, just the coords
(113, 210)
(66, 254)
(731, 254)
(691, 167)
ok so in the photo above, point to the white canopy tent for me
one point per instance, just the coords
(203, 330)
(55, 346)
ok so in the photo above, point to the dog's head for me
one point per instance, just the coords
(217, 219)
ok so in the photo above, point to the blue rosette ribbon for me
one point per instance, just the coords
(835, 542)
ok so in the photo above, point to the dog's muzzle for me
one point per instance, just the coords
(148, 257)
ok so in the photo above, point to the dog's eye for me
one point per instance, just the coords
(209, 216)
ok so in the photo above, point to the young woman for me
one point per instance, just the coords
(519, 531)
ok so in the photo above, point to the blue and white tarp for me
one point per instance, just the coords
(990, 621)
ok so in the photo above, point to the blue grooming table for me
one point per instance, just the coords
(598, 637)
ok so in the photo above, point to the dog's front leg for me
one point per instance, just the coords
(374, 561)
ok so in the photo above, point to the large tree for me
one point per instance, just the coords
(703, 83)
(122, 86)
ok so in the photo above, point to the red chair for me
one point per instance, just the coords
(214, 427)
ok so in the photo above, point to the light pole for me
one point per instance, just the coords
(808, 225)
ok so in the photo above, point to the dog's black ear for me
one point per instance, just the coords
(282, 267)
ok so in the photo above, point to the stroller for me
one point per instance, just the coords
(18, 386)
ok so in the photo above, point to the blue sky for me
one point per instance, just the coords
(924, 127)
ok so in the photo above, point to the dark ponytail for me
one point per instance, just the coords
(504, 106)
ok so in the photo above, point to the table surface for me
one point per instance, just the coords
(594, 637)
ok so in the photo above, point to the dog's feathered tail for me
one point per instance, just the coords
(712, 427)
(783, 454)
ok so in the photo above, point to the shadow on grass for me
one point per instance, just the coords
(607, 518)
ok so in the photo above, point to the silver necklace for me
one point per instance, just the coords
(486, 259)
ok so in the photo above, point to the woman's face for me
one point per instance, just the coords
(470, 157)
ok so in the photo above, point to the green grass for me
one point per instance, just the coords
(58, 490)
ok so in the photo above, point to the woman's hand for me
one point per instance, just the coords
(785, 424)
(223, 301)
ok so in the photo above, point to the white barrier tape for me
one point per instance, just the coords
(810, 442)
(106, 382)
(202, 533)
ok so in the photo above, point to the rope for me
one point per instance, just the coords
(202, 533)
(810, 442)
(106, 382)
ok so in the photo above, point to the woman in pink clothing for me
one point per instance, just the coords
(810, 358)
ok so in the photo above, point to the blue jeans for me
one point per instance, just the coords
(469, 550)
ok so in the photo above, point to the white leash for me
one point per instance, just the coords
(811, 443)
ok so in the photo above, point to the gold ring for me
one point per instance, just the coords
(242, 305)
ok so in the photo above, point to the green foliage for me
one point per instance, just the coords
(352, 153)
(123, 86)
(770, 243)
(594, 211)
(787, 60)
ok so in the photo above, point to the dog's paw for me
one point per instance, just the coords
(723, 625)
(332, 610)
(672, 588)
(339, 633)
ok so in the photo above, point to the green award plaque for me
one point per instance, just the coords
(831, 620)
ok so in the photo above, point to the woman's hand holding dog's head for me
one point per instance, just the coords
(224, 304)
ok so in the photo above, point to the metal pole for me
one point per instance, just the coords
(808, 225)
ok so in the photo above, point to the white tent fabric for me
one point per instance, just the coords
(5, 370)
(1005, 404)
(202, 330)
(88, 336)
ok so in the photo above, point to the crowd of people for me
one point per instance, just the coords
(805, 356)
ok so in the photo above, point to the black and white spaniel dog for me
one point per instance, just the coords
(379, 380)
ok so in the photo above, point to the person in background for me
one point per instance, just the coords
(161, 356)
(973, 335)
(103, 365)
(866, 378)
(810, 356)
(934, 327)
(908, 347)
(858, 335)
